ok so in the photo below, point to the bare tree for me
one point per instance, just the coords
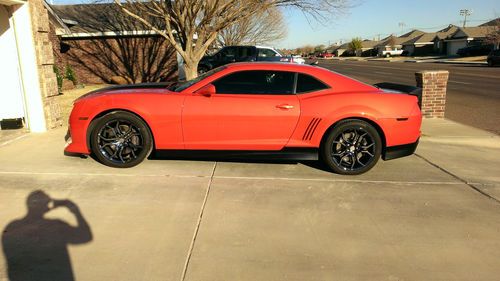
(191, 26)
(264, 27)
(494, 36)
(134, 55)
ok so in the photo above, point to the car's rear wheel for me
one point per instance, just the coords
(490, 62)
(352, 147)
(120, 139)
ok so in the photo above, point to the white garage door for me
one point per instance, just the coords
(11, 94)
(453, 46)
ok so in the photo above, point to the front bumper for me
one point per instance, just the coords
(399, 151)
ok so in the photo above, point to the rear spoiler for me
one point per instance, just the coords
(400, 88)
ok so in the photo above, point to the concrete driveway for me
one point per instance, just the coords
(408, 219)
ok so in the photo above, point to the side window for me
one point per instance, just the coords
(228, 53)
(267, 53)
(244, 52)
(256, 82)
(307, 83)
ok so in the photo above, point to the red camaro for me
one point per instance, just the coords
(265, 109)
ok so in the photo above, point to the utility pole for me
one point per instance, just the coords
(402, 25)
(465, 13)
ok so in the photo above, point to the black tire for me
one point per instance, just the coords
(490, 63)
(352, 147)
(120, 139)
(387, 55)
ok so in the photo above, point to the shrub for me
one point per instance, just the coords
(59, 77)
(70, 74)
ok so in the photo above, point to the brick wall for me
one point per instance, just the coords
(433, 84)
(45, 62)
(137, 59)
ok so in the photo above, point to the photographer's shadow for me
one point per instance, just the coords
(36, 248)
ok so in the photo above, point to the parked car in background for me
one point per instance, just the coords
(298, 59)
(392, 53)
(494, 58)
(276, 110)
(230, 54)
(325, 55)
(475, 50)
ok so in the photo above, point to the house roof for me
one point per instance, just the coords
(445, 32)
(401, 39)
(369, 43)
(472, 32)
(412, 34)
(424, 38)
(103, 19)
(495, 22)
(61, 27)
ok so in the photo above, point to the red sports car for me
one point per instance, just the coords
(270, 109)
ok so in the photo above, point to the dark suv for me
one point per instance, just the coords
(494, 58)
(475, 50)
(232, 54)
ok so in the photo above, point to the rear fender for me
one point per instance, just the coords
(347, 112)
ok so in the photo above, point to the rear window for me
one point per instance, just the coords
(307, 83)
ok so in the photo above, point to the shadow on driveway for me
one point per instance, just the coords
(35, 247)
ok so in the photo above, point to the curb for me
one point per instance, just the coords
(463, 62)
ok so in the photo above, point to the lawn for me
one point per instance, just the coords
(67, 97)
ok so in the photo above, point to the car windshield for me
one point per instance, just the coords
(184, 85)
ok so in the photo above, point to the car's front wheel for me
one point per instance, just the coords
(120, 139)
(352, 147)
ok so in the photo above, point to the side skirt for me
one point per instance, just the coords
(284, 154)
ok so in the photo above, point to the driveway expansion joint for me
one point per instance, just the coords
(198, 223)
(469, 184)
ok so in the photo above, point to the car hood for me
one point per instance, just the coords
(120, 89)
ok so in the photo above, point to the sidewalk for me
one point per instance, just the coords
(470, 154)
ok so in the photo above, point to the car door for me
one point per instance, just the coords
(251, 110)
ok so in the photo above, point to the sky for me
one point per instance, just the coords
(370, 19)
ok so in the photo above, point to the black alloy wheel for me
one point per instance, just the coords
(121, 139)
(353, 147)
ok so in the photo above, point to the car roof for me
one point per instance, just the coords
(276, 66)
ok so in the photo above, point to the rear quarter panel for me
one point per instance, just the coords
(382, 109)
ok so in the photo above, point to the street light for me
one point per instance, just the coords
(465, 13)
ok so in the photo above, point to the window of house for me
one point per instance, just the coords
(256, 82)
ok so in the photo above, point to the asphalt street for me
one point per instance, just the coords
(473, 96)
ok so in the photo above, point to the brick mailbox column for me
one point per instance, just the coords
(433, 84)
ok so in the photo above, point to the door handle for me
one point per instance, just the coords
(284, 106)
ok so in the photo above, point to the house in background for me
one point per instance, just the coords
(440, 45)
(104, 45)
(421, 45)
(340, 50)
(466, 36)
(396, 43)
(368, 48)
(29, 85)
